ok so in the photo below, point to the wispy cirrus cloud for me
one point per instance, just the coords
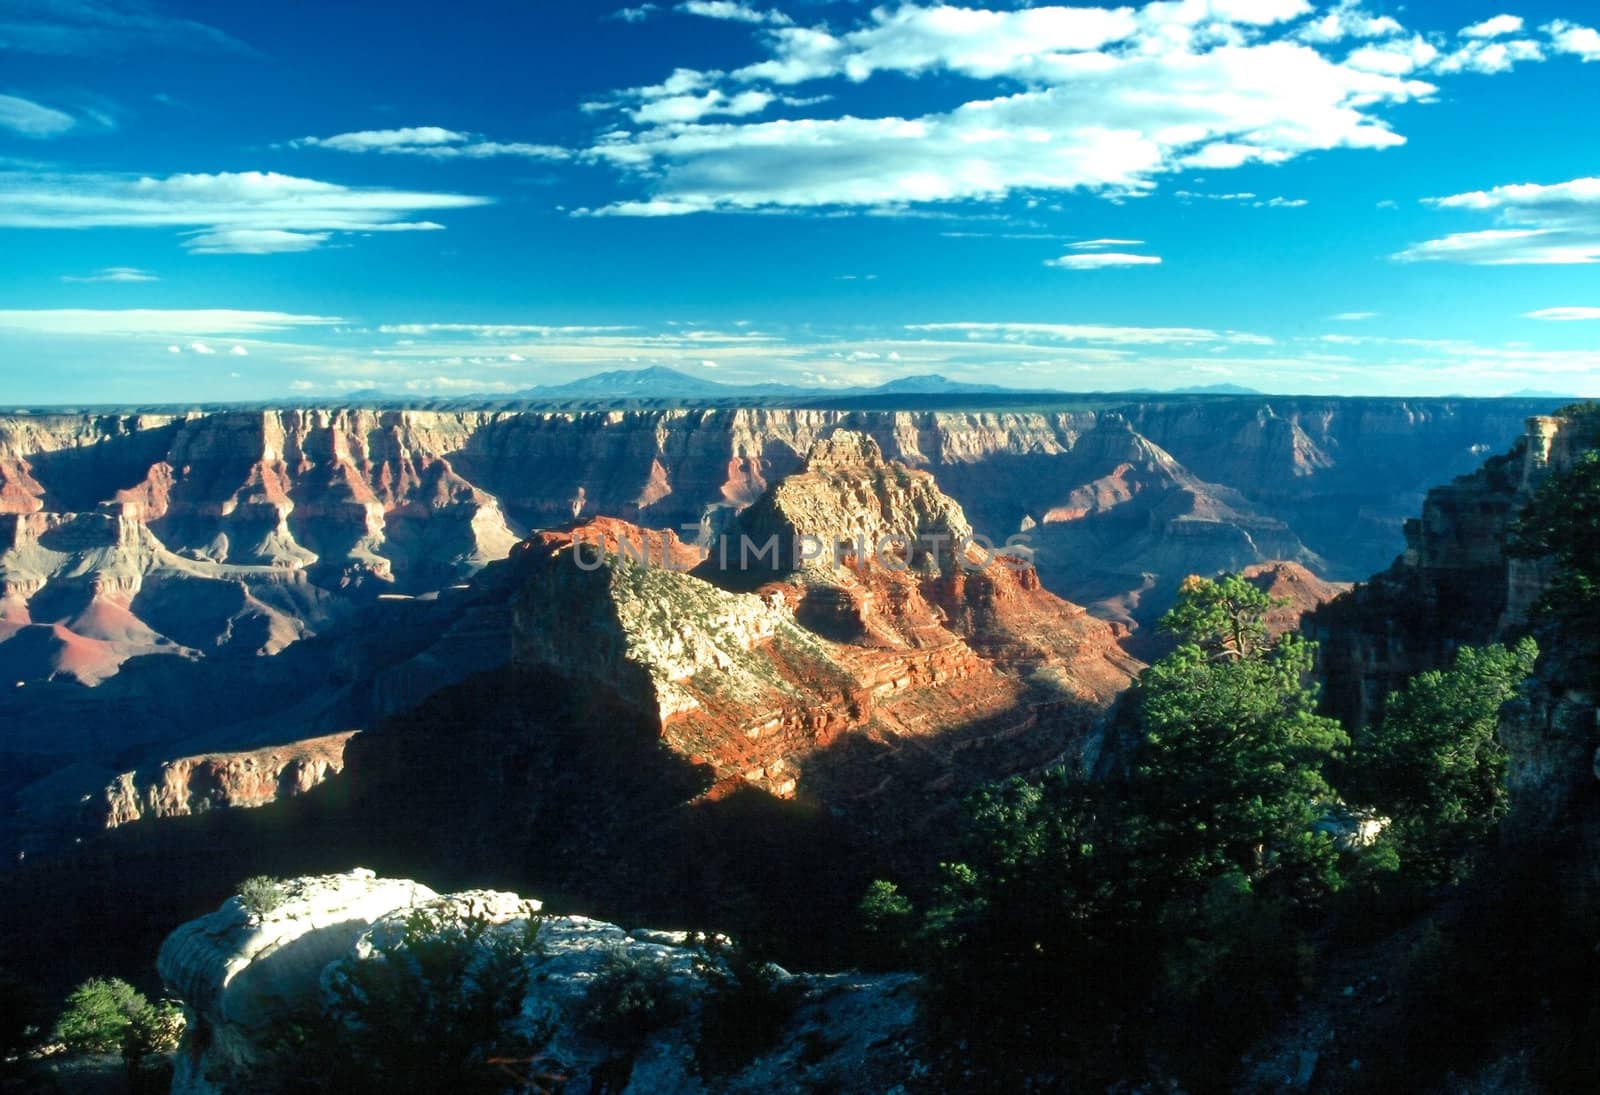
(114, 273)
(66, 27)
(168, 322)
(1093, 332)
(1564, 315)
(433, 142)
(1101, 260)
(1540, 225)
(27, 118)
(247, 212)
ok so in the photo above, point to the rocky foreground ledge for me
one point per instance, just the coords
(243, 977)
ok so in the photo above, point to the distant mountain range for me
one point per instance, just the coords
(659, 385)
(660, 382)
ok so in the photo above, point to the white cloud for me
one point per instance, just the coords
(1487, 57)
(30, 119)
(1565, 37)
(635, 14)
(1395, 57)
(1497, 27)
(1564, 315)
(239, 351)
(1089, 245)
(1349, 19)
(1245, 197)
(1109, 100)
(493, 330)
(154, 321)
(430, 141)
(1089, 332)
(174, 349)
(201, 348)
(254, 241)
(1098, 260)
(1353, 317)
(248, 212)
(739, 13)
(114, 273)
(1549, 225)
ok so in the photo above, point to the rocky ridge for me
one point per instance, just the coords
(1453, 586)
(238, 974)
(752, 670)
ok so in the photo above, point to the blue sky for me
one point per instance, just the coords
(215, 201)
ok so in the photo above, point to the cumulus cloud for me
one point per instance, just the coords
(1487, 57)
(248, 212)
(154, 321)
(1099, 260)
(27, 118)
(430, 141)
(1109, 100)
(1546, 225)
(738, 13)
(1497, 27)
(1564, 315)
(114, 273)
(1565, 37)
(239, 351)
(1348, 19)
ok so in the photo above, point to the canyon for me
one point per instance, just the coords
(178, 586)
(744, 748)
(295, 573)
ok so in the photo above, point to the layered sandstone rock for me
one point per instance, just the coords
(891, 631)
(192, 785)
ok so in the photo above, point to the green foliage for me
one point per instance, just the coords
(631, 998)
(1434, 766)
(1562, 522)
(1226, 617)
(1087, 929)
(432, 1008)
(1229, 773)
(97, 1015)
(156, 1028)
(151, 1036)
(746, 1006)
(886, 919)
(260, 895)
